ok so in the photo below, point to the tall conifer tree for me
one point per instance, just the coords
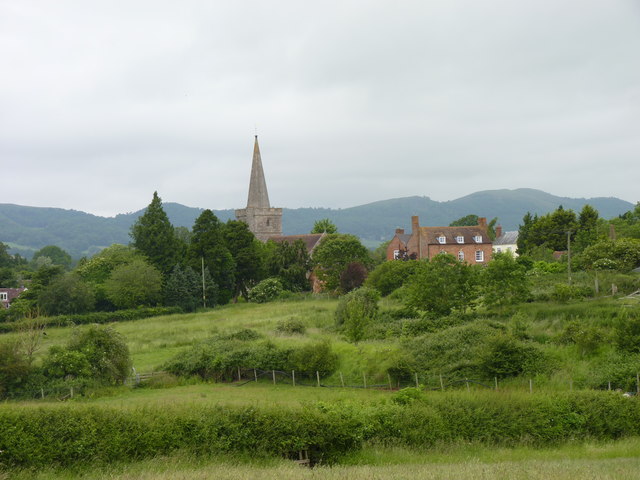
(154, 236)
(207, 243)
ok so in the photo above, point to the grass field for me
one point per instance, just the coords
(153, 341)
(612, 460)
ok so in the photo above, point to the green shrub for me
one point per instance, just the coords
(563, 292)
(266, 291)
(390, 276)
(291, 326)
(312, 358)
(504, 356)
(356, 311)
(97, 352)
(627, 332)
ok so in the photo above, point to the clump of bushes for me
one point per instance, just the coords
(291, 326)
(219, 358)
(563, 292)
(356, 311)
(267, 290)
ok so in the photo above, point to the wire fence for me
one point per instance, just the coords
(240, 377)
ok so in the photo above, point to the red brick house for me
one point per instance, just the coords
(468, 244)
(7, 295)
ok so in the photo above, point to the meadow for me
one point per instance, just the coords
(548, 425)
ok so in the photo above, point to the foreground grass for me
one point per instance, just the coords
(610, 460)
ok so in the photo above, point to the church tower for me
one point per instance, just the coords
(263, 221)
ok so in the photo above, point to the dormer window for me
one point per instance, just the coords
(460, 239)
(477, 238)
(442, 239)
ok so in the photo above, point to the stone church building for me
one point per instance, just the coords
(264, 221)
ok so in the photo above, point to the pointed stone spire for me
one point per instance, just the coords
(258, 195)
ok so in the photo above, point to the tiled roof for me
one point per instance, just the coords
(507, 238)
(310, 240)
(451, 234)
(404, 237)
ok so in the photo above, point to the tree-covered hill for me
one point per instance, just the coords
(26, 229)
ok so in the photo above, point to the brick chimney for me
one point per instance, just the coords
(482, 222)
(415, 224)
(498, 231)
(399, 231)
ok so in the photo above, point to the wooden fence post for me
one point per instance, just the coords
(417, 384)
(273, 373)
(318, 377)
(466, 380)
(389, 378)
(530, 386)
(293, 377)
(42, 393)
(495, 379)
(441, 383)
(364, 377)
(341, 380)
(255, 374)
(239, 375)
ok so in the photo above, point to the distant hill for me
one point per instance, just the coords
(27, 229)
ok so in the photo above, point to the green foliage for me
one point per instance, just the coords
(207, 242)
(97, 352)
(89, 318)
(218, 358)
(391, 275)
(332, 256)
(627, 332)
(356, 311)
(14, 367)
(267, 290)
(183, 288)
(66, 294)
(55, 254)
(466, 221)
(133, 285)
(290, 263)
(441, 285)
(563, 292)
(504, 281)
(8, 277)
(588, 338)
(6, 260)
(324, 225)
(505, 356)
(313, 357)
(246, 251)
(455, 352)
(548, 231)
(540, 267)
(154, 236)
(291, 326)
(622, 255)
(587, 228)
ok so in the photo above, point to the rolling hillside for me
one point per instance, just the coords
(26, 229)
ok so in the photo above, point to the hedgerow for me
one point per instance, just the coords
(70, 434)
(90, 318)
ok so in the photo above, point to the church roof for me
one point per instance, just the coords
(258, 195)
(311, 240)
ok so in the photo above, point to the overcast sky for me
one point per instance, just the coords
(103, 102)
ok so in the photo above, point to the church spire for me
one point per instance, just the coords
(258, 195)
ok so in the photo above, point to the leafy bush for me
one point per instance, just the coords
(291, 326)
(312, 358)
(91, 318)
(504, 356)
(356, 311)
(563, 292)
(266, 291)
(14, 367)
(97, 352)
(627, 332)
(390, 276)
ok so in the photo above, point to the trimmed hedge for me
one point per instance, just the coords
(68, 434)
(92, 317)
(37, 437)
